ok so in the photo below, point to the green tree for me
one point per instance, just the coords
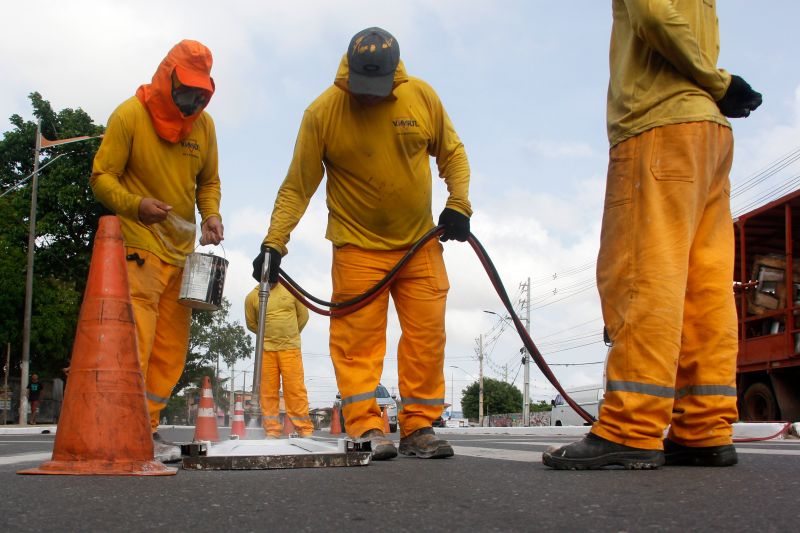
(498, 397)
(67, 216)
(213, 337)
(541, 406)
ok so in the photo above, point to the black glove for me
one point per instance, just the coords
(456, 225)
(274, 264)
(739, 100)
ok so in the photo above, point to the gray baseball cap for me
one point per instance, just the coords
(373, 56)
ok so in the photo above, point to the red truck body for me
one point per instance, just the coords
(768, 305)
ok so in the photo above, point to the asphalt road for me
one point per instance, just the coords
(495, 483)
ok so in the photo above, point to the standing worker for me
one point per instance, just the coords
(373, 132)
(157, 160)
(282, 360)
(34, 392)
(665, 266)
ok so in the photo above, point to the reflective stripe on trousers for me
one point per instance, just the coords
(162, 327)
(664, 274)
(358, 340)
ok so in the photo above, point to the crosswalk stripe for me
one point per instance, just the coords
(498, 453)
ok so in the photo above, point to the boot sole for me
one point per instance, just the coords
(384, 452)
(439, 453)
(627, 460)
(693, 458)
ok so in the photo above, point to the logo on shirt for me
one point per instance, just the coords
(190, 147)
(404, 123)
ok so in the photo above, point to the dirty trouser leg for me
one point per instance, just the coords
(705, 396)
(420, 296)
(162, 327)
(656, 195)
(358, 340)
(295, 395)
(269, 397)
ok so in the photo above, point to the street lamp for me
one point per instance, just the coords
(41, 142)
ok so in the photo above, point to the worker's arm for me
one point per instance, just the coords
(664, 29)
(208, 182)
(451, 158)
(301, 182)
(251, 310)
(302, 314)
(109, 165)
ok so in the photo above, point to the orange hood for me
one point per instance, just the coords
(193, 60)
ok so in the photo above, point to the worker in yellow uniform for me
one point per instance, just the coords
(158, 160)
(282, 360)
(373, 132)
(665, 266)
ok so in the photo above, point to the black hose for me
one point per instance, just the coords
(352, 305)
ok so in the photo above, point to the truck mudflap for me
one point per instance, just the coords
(274, 454)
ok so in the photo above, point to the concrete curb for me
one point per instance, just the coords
(27, 430)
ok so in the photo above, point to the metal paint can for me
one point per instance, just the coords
(203, 281)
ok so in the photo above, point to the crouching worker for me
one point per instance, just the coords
(373, 132)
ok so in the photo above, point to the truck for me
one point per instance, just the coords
(768, 309)
(589, 398)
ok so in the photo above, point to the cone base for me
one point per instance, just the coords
(102, 468)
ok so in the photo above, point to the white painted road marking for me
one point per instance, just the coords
(25, 458)
(497, 453)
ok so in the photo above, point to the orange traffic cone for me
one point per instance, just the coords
(104, 427)
(206, 427)
(336, 425)
(385, 413)
(237, 426)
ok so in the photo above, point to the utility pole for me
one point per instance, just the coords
(232, 398)
(26, 319)
(480, 380)
(526, 359)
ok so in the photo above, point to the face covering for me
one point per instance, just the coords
(189, 100)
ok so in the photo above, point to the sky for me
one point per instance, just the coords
(524, 83)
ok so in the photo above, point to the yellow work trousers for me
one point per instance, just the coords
(665, 277)
(358, 340)
(285, 365)
(162, 327)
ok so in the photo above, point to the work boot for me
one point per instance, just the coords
(593, 452)
(164, 450)
(382, 447)
(677, 454)
(273, 436)
(425, 444)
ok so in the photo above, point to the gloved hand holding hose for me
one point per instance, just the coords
(274, 264)
(456, 225)
(739, 100)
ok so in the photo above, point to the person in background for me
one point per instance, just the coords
(282, 360)
(665, 266)
(34, 393)
(158, 159)
(373, 132)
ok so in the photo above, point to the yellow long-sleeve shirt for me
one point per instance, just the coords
(377, 162)
(286, 318)
(663, 66)
(133, 162)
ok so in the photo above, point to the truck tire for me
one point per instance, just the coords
(759, 403)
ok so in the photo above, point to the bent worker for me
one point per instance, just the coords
(373, 132)
(665, 266)
(282, 360)
(157, 160)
